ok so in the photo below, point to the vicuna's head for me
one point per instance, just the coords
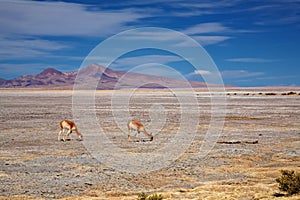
(80, 137)
(151, 137)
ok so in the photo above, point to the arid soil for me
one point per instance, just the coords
(260, 137)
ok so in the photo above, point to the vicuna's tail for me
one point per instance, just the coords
(60, 124)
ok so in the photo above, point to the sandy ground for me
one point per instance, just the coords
(260, 137)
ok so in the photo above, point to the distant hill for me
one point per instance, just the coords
(104, 77)
(49, 78)
(2, 81)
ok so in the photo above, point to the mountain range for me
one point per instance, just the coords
(104, 78)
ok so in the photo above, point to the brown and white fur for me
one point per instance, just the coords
(137, 126)
(67, 125)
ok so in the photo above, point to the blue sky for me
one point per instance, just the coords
(253, 43)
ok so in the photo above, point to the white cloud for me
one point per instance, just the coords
(278, 77)
(32, 43)
(206, 34)
(180, 8)
(24, 23)
(21, 47)
(208, 40)
(203, 40)
(251, 60)
(239, 74)
(197, 8)
(271, 16)
(23, 20)
(60, 19)
(202, 72)
(129, 62)
(208, 4)
(206, 28)
(153, 35)
(215, 31)
(198, 75)
(10, 71)
(158, 69)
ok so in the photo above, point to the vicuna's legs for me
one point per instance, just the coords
(138, 133)
(62, 134)
(68, 135)
(130, 129)
(59, 134)
(129, 132)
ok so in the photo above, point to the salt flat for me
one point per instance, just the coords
(259, 137)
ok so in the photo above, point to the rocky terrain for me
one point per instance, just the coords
(260, 137)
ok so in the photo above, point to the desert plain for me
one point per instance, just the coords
(260, 136)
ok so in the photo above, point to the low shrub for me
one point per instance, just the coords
(270, 93)
(144, 196)
(289, 182)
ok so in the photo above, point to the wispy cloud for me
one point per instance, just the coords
(25, 22)
(202, 72)
(61, 19)
(152, 35)
(130, 62)
(10, 71)
(233, 74)
(251, 60)
(181, 8)
(208, 40)
(28, 47)
(198, 75)
(209, 4)
(158, 69)
(177, 39)
(195, 8)
(207, 34)
(277, 77)
(206, 28)
(267, 13)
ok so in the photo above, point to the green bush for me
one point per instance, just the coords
(144, 196)
(289, 182)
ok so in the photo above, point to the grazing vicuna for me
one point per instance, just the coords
(67, 125)
(137, 126)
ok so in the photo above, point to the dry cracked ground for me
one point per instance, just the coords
(260, 137)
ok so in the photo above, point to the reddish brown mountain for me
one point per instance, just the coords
(2, 81)
(49, 78)
(50, 72)
(92, 75)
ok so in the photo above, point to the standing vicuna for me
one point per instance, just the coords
(137, 126)
(69, 126)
